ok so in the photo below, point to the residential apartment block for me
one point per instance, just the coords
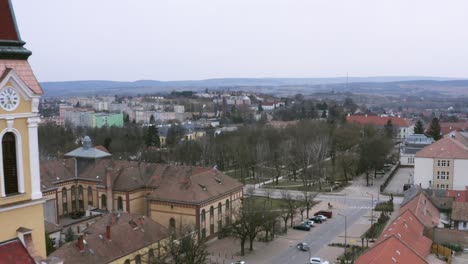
(443, 164)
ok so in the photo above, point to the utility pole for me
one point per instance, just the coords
(345, 232)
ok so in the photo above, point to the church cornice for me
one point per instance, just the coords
(13, 50)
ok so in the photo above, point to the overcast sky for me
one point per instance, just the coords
(199, 39)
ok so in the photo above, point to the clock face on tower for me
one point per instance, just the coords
(9, 99)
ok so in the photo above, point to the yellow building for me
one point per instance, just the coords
(21, 202)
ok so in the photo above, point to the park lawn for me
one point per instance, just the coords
(264, 201)
(297, 186)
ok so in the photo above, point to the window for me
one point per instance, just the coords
(464, 224)
(211, 212)
(73, 198)
(203, 233)
(203, 215)
(138, 259)
(448, 163)
(80, 198)
(151, 258)
(438, 163)
(442, 175)
(437, 186)
(438, 175)
(228, 213)
(443, 163)
(103, 201)
(220, 211)
(172, 225)
(120, 204)
(442, 186)
(64, 201)
(127, 261)
(10, 169)
(90, 196)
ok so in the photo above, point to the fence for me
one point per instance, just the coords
(389, 178)
(442, 251)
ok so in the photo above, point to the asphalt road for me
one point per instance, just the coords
(354, 206)
(324, 233)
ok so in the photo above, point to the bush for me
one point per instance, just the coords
(454, 247)
(377, 228)
(384, 206)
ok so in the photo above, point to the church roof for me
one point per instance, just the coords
(13, 56)
(8, 30)
(88, 151)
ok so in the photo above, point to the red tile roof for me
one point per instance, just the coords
(458, 195)
(128, 233)
(409, 230)
(13, 252)
(421, 206)
(23, 70)
(448, 147)
(391, 250)
(447, 127)
(378, 120)
(7, 20)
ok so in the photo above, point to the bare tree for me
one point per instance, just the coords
(308, 199)
(290, 203)
(188, 248)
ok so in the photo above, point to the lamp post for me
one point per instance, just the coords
(372, 209)
(345, 232)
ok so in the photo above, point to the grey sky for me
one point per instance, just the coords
(199, 39)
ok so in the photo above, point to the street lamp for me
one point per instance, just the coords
(372, 209)
(345, 231)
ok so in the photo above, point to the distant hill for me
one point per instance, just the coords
(101, 87)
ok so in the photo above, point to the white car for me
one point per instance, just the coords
(315, 260)
(239, 262)
(324, 218)
(309, 222)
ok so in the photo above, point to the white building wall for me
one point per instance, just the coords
(423, 171)
(407, 159)
(460, 174)
(462, 226)
(405, 132)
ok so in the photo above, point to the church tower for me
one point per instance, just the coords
(21, 203)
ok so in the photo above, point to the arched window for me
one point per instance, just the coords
(64, 201)
(10, 169)
(103, 201)
(228, 213)
(90, 196)
(120, 204)
(73, 198)
(127, 261)
(211, 220)
(220, 211)
(138, 259)
(80, 198)
(203, 215)
(172, 225)
(151, 258)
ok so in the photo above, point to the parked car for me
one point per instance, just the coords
(303, 246)
(324, 218)
(302, 226)
(239, 262)
(328, 214)
(315, 260)
(309, 222)
(316, 219)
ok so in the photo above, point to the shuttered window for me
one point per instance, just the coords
(10, 170)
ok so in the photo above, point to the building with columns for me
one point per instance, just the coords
(21, 204)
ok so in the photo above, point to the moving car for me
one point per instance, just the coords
(328, 214)
(316, 260)
(303, 246)
(302, 226)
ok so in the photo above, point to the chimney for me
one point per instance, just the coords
(80, 244)
(109, 193)
(108, 233)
